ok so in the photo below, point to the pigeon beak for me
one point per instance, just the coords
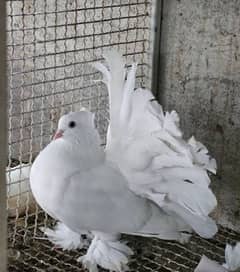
(58, 134)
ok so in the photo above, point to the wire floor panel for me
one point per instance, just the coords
(150, 254)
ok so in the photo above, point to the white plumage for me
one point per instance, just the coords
(106, 251)
(148, 147)
(149, 181)
(63, 237)
(207, 265)
(232, 257)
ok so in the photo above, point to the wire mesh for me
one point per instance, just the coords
(51, 45)
(149, 254)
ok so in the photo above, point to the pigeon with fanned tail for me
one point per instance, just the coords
(148, 181)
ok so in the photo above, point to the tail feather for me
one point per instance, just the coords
(195, 199)
(193, 174)
(201, 156)
(105, 72)
(114, 78)
(171, 124)
(202, 225)
(149, 148)
(115, 86)
(126, 108)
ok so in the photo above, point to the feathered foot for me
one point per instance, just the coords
(184, 238)
(62, 237)
(232, 257)
(107, 252)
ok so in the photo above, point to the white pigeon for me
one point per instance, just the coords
(149, 181)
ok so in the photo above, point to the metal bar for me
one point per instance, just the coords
(3, 140)
(157, 25)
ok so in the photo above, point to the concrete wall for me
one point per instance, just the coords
(200, 78)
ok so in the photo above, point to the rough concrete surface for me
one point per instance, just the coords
(200, 78)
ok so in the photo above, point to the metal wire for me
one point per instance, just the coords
(149, 254)
(51, 45)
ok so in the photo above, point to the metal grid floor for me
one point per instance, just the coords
(150, 254)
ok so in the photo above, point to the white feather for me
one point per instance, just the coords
(149, 148)
(125, 111)
(107, 251)
(207, 265)
(115, 86)
(201, 156)
(63, 237)
(232, 257)
(171, 124)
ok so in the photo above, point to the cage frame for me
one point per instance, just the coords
(3, 140)
(156, 32)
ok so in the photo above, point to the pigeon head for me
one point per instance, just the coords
(71, 125)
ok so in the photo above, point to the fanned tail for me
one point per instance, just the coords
(148, 146)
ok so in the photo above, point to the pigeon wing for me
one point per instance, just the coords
(99, 199)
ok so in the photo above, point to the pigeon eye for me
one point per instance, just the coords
(72, 124)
